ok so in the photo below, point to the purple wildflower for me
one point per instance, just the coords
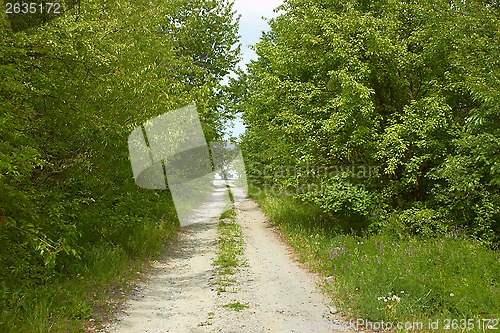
(334, 254)
(337, 251)
(410, 250)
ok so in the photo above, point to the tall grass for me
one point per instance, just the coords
(383, 278)
(88, 292)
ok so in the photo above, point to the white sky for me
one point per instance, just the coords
(252, 25)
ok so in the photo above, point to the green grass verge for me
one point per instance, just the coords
(230, 241)
(230, 250)
(380, 278)
(72, 302)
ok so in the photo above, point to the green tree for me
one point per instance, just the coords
(205, 33)
(402, 86)
(74, 89)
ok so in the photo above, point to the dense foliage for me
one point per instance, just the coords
(379, 278)
(382, 113)
(71, 92)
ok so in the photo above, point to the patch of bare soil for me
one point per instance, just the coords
(270, 291)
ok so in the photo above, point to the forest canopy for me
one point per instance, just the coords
(73, 88)
(384, 113)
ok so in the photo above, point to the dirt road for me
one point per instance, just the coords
(277, 294)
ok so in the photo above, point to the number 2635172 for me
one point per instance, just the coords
(471, 324)
(32, 8)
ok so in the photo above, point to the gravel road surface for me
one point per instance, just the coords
(180, 295)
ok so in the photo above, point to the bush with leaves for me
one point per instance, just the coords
(404, 86)
(74, 89)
